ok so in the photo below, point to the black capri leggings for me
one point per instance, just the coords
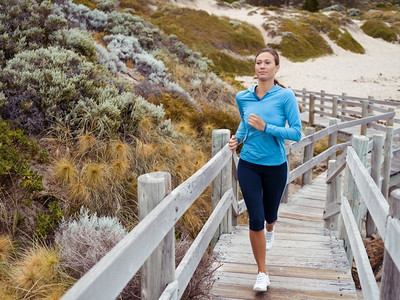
(262, 188)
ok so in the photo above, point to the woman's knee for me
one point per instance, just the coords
(256, 225)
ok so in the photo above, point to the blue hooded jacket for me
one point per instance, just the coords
(276, 107)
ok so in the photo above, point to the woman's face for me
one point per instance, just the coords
(265, 67)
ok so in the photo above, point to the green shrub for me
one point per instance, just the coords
(211, 36)
(300, 41)
(76, 40)
(310, 5)
(25, 25)
(18, 181)
(56, 88)
(347, 42)
(378, 29)
(16, 153)
(47, 221)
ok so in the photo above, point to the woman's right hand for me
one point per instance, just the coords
(233, 143)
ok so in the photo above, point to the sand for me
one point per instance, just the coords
(375, 73)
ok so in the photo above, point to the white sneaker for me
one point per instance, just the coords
(269, 237)
(262, 282)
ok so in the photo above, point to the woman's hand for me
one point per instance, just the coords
(256, 122)
(233, 143)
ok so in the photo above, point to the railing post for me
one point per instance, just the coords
(333, 137)
(311, 110)
(376, 166)
(360, 145)
(370, 110)
(390, 287)
(390, 121)
(364, 114)
(387, 159)
(285, 196)
(333, 193)
(235, 188)
(344, 105)
(322, 102)
(304, 97)
(308, 154)
(222, 182)
(335, 101)
(159, 269)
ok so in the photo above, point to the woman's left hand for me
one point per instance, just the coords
(256, 122)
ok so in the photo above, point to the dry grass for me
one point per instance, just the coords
(6, 248)
(65, 171)
(38, 274)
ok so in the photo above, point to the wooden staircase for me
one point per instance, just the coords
(305, 263)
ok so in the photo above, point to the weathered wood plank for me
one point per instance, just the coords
(102, 282)
(371, 195)
(290, 283)
(190, 261)
(285, 271)
(364, 270)
(227, 291)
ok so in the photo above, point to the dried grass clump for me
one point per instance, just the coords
(6, 247)
(95, 174)
(65, 171)
(38, 273)
(85, 240)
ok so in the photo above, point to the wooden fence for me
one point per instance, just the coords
(150, 245)
(361, 194)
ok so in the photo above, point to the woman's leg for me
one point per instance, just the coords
(257, 240)
(251, 185)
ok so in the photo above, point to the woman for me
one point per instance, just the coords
(262, 171)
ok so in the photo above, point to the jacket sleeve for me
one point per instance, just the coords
(241, 131)
(292, 114)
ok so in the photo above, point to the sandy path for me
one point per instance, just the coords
(375, 73)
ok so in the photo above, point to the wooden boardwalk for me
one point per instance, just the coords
(305, 263)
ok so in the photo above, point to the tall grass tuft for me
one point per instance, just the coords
(119, 169)
(65, 171)
(85, 143)
(78, 193)
(37, 272)
(96, 176)
(120, 151)
(6, 248)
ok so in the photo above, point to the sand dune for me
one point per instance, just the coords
(375, 73)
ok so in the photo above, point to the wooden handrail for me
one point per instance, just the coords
(111, 274)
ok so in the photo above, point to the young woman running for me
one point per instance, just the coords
(262, 171)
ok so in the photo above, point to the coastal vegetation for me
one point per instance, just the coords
(92, 95)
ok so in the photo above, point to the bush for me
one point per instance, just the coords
(211, 36)
(304, 43)
(347, 42)
(310, 5)
(18, 181)
(378, 29)
(82, 242)
(24, 26)
(125, 24)
(56, 88)
(79, 15)
(76, 40)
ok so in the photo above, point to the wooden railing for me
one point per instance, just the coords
(345, 108)
(150, 245)
(361, 195)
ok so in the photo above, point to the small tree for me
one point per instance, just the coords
(310, 5)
